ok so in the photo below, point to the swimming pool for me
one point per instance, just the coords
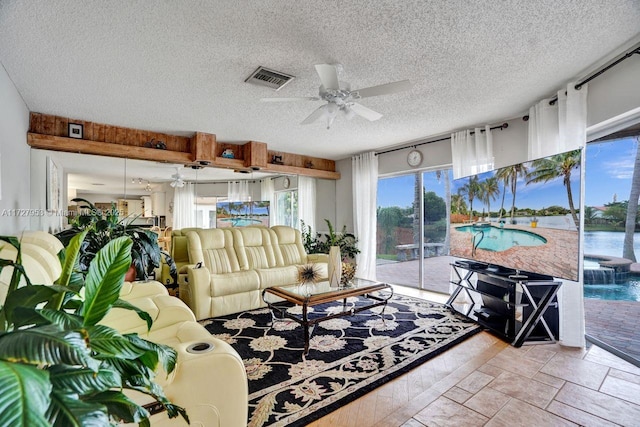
(500, 239)
(629, 291)
(241, 222)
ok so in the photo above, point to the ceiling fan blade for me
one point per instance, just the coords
(317, 113)
(328, 76)
(384, 89)
(365, 112)
(301, 98)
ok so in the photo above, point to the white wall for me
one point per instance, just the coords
(325, 204)
(344, 195)
(14, 158)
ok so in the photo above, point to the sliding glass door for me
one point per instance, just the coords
(412, 234)
(612, 242)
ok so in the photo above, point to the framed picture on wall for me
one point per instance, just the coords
(76, 130)
(53, 186)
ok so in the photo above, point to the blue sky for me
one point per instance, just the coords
(609, 168)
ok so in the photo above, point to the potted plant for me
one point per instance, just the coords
(58, 365)
(104, 226)
(322, 242)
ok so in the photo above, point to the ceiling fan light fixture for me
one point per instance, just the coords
(178, 181)
(348, 112)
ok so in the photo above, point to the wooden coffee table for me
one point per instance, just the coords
(281, 298)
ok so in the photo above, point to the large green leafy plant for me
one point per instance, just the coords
(103, 226)
(321, 243)
(58, 365)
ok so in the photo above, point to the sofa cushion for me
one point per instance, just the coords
(214, 248)
(253, 247)
(289, 242)
(44, 240)
(278, 276)
(234, 283)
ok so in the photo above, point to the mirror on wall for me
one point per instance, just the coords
(140, 189)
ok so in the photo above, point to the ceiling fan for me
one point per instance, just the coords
(340, 97)
(178, 179)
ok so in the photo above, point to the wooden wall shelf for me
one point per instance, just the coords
(72, 145)
(294, 170)
(50, 132)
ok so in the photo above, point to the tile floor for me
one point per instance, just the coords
(485, 382)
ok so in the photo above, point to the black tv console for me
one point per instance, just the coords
(519, 307)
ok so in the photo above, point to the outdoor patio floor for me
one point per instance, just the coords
(613, 322)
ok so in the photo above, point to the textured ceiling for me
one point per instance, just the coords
(179, 66)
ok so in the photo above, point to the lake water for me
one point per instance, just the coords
(608, 243)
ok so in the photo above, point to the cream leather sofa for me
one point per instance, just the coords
(230, 267)
(210, 384)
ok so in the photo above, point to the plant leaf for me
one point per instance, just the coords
(23, 316)
(70, 258)
(108, 342)
(46, 345)
(25, 395)
(83, 381)
(67, 411)
(166, 355)
(120, 303)
(62, 319)
(28, 297)
(120, 406)
(104, 279)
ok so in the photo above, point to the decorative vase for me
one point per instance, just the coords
(130, 275)
(348, 273)
(335, 267)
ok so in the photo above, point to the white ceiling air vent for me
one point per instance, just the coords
(269, 78)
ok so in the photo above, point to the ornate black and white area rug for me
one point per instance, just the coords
(348, 356)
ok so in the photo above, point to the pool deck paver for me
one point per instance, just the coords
(616, 323)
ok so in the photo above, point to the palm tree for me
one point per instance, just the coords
(632, 210)
(458, 204)
(489, 191)
(510, 176)
(416, 209)
(590, 214)
(471, 189)
(554, 167)
(503, 175)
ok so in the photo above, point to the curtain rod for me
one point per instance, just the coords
(502, 126)
(579, 85)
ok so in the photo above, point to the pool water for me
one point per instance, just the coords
(500, 239)
(629, 291)
(241, 222)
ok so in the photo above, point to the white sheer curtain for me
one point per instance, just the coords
(184, 212)
(559, 127)
(307, 201)
(472, 153)
(555, 129)
(267, 194)
(365, 187)
(238, 191)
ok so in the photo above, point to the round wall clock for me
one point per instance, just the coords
(286, 182)
(414, 158)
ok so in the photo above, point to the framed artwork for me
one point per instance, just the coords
(242, 214)
(76, 130)
(53, 186)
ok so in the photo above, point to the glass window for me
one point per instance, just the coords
(206, 211)
(286, 208)
(413, 213)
